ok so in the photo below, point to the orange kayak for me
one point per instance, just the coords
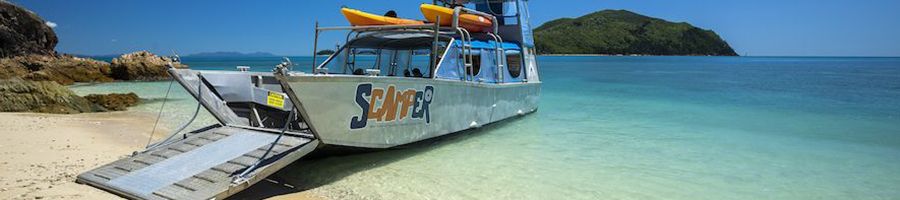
(360, 18)
(473, 23)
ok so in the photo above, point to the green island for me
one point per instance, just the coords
(622, 32)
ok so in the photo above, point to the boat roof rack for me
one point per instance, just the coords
(436, 29)
(430, 27)
(406, 39)
(376, 28)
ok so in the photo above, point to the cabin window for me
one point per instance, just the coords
(353, 61)
(401, 62)
(452, 65)
(420, 64)
(514, 64)
(476, 65)
(408, 63)
(392, 61)
(364, 59)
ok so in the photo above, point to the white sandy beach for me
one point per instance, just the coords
(43, 153)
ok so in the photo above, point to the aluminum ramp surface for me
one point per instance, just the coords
(202, 166)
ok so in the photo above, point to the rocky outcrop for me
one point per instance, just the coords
(17, 95)
(141, 65)
(114, 102)
(32, 75)
(61, 69)
(23, 32)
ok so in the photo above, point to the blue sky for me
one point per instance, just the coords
(758, 27)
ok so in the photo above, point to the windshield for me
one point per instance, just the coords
(385, 56)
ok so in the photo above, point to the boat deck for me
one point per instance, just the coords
(201, 166)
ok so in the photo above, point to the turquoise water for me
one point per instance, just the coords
(646, 128)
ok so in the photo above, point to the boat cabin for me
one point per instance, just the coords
(409, 54)
(504, 54)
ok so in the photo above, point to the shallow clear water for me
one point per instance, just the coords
(648, 128)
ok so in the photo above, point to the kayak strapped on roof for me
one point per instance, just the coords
(360, 18)
(471, 22)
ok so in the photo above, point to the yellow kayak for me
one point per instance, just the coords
(360, 18)
(473, 23)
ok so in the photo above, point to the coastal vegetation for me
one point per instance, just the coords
(622, 32)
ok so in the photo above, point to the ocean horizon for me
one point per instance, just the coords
(631, 127)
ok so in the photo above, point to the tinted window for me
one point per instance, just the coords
(514, 64)
(476, 65)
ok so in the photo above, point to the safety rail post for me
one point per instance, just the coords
(500, 54)
(315, 48)
(469, 58)
(455, 21)
(434, 46)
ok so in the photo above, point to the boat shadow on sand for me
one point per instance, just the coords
(307, 174)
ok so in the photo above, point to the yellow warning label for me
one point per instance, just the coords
(275, 100)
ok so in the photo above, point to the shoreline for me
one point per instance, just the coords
(43, 153)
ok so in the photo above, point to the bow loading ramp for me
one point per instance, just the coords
(206, 165)
(260, 132)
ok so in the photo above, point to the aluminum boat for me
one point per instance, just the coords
(386, 86)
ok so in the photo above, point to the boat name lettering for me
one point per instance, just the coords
(391, 104)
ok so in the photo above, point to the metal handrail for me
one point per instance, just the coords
(315, 49)
(243, 176)
(458, 10)
(183, 126)
(500, 53)
(467, 51)
(434, 48)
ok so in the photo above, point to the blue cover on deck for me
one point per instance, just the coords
(478, 44)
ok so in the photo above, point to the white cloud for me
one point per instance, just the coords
(50, 24)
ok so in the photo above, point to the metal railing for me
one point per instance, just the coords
(465, 37)
(360, 29)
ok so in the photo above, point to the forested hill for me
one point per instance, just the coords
(621, 32)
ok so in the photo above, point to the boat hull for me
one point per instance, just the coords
(382, 112)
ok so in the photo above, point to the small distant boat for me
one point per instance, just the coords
(473, 23)
(360, 18)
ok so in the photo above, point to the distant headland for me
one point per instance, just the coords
(622, 32)
(232, 54)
